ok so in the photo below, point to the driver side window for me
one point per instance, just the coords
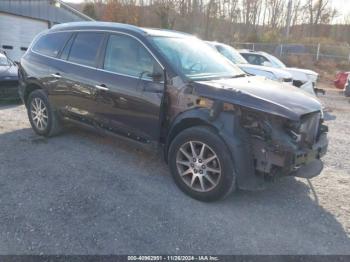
(127, 56)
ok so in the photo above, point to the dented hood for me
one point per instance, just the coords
(260, 94)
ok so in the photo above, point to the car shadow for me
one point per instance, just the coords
(89, 194)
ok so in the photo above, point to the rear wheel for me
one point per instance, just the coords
(347, 89)
(43, 119)
(201, 165)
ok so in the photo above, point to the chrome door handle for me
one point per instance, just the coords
(56, 75)
(102, 87)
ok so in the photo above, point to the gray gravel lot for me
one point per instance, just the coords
(82, 193)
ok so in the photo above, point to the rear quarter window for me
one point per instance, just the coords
(51, 44)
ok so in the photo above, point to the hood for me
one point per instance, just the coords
(279, 73)
(299, 70)
(260, 94)
(10, 71)
(302, 75)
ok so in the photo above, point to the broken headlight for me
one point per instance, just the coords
(257, 125)
(293, 130)
(306, 130)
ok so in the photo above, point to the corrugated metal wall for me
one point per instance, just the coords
(40, 9)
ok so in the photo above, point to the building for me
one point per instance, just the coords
(22, 20)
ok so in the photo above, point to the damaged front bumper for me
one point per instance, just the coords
(284, 159)
(307, 162)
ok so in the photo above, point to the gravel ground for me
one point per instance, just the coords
(82, 193)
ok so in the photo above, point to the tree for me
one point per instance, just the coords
(89, 10)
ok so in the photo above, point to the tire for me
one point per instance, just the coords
(194, 180)
(38, 99)
(347, 90)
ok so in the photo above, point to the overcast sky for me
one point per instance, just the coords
(343, 6)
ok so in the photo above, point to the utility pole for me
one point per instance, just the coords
(289, 18)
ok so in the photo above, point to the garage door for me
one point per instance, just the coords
(16, 33)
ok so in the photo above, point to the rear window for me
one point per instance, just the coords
(51, 44)
(85, 48)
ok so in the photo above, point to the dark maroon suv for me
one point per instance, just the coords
(218, 128)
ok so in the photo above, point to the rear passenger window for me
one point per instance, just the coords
(51, 44)
(85, 48)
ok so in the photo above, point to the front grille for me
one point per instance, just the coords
(309, 128)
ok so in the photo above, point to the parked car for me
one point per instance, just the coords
(303, 78)
(8, 78)
(347, 87)
(218, 128)
(341, 79)
(236, 58)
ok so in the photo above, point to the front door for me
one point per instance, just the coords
(131, 89)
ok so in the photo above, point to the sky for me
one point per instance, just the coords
(342, 5)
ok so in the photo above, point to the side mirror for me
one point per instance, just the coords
(156, 77)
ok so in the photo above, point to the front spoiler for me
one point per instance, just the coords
(310, 170)
(318, 150)
(308, 163)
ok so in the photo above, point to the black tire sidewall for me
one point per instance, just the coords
(40, 94)
(212, 139)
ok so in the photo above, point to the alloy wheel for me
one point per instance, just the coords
(199, 166)
(39, 113)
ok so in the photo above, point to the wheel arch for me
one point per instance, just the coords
(228, 127)
(30, 87)
(188, 119)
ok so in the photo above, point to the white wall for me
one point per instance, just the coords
(18, 32)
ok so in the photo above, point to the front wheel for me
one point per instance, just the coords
(201, 165)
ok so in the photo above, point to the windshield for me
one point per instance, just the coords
(3, 61)
(194, 58)
(231, 54)
(276, 62)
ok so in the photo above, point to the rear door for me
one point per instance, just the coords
(77, 76)
(42, 62)
(131, 85)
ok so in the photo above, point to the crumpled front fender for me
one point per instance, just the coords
(228, 127)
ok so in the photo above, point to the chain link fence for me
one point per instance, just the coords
(338, 53)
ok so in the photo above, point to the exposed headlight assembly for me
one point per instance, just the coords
(312, 77)
(258, 126)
